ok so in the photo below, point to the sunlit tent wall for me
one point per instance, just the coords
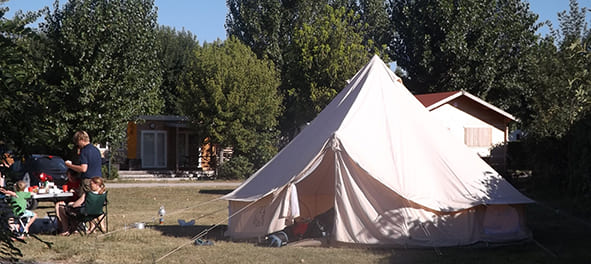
(392, 174)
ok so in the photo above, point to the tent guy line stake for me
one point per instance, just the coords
(202, 233)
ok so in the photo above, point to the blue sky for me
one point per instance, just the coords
(206, 18)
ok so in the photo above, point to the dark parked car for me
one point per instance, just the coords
(38, 168)
(46, 167)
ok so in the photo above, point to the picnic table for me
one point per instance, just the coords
(48, 197)
(53, 197)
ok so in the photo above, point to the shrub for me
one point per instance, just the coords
(238, 167)
(110, 176)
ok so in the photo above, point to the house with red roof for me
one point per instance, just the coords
(480, 125)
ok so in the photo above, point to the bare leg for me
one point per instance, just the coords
(58, 206)
(30, 222)
(91, 227)
(103, 223)
(62, 218)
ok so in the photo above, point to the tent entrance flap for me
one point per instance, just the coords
(316, 191)
(315, 195)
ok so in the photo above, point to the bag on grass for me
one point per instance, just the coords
(277, 239)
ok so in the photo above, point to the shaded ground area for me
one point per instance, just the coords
(565, 237)
(216, 191)
(205, 232)
(557, 238)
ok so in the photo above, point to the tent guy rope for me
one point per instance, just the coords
(173, 213)
(202, 233)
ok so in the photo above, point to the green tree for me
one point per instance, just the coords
(259, 25)
(559, 93)
(16, 72)
(558, 107)
(21, 111)
(102, 67)
(177, 49)
(323, 55)
(275, 30)
(231, 97)
(478, 46)
(377, 26)
(268, 26)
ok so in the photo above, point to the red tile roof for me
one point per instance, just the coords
(432, 98)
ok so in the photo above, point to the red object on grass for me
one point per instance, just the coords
(299, 229)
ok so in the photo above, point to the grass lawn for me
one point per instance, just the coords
(557, 238)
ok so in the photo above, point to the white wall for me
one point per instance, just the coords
(456, 120)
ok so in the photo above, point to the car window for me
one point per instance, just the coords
(49, 164)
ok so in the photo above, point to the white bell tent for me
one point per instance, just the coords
(392, 174)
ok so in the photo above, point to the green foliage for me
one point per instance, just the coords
(559, 91)
(556, 112)
(276, 30)
(324, 54)
(102, 67)
(373, 15)
(237, 168)
(259, 25)
(114, 172)
(477, 46)
(578, 180)
(232, 97)
(572, 24)
(16, 72)
(21, 105)
(177, 49)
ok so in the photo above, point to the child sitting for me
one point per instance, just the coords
(19, 204)
(73, 209)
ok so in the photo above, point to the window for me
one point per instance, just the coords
(153, 149)
(478, 136)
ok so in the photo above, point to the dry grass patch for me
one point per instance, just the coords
(127, 245)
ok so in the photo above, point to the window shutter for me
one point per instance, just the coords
(477, 136)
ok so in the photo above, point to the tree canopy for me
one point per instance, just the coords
(315, 45)
(175, 54)
(477, 46)
(323, 55)
(20, 104)
(102, 67)
(232, 99)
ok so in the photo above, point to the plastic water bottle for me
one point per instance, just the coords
(161, 213)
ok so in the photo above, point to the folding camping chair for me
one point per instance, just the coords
(16, 224)
(93, 213)
(19, 225)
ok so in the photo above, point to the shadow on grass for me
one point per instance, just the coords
(215, 191)
(515, 253)
(557, 238)
(216, 233)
